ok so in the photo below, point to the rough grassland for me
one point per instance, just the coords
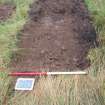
(63, 90)
(8, 39)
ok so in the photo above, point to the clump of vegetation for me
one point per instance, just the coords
(97, 56)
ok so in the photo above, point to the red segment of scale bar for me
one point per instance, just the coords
(28, 74)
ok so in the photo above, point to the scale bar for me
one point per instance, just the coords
(47, 73)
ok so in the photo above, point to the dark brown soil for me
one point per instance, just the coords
(58, 35)
(6, 11)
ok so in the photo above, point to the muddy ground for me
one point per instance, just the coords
(58, 36)
(6, 11)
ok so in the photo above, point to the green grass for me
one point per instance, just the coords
(8, 40)
(97, 56)
(62, 90)
(10, 28)
(97, 9)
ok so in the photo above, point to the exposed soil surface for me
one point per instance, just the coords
(6, 11)
(58, 35)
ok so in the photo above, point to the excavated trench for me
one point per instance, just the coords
(58, 35)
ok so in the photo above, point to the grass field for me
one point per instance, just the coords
(8, 40)
(62, 90)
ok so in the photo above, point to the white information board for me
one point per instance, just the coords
(24, 83)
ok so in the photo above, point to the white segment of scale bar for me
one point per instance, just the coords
(68, 73)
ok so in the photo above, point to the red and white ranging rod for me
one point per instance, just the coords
(46, 73)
